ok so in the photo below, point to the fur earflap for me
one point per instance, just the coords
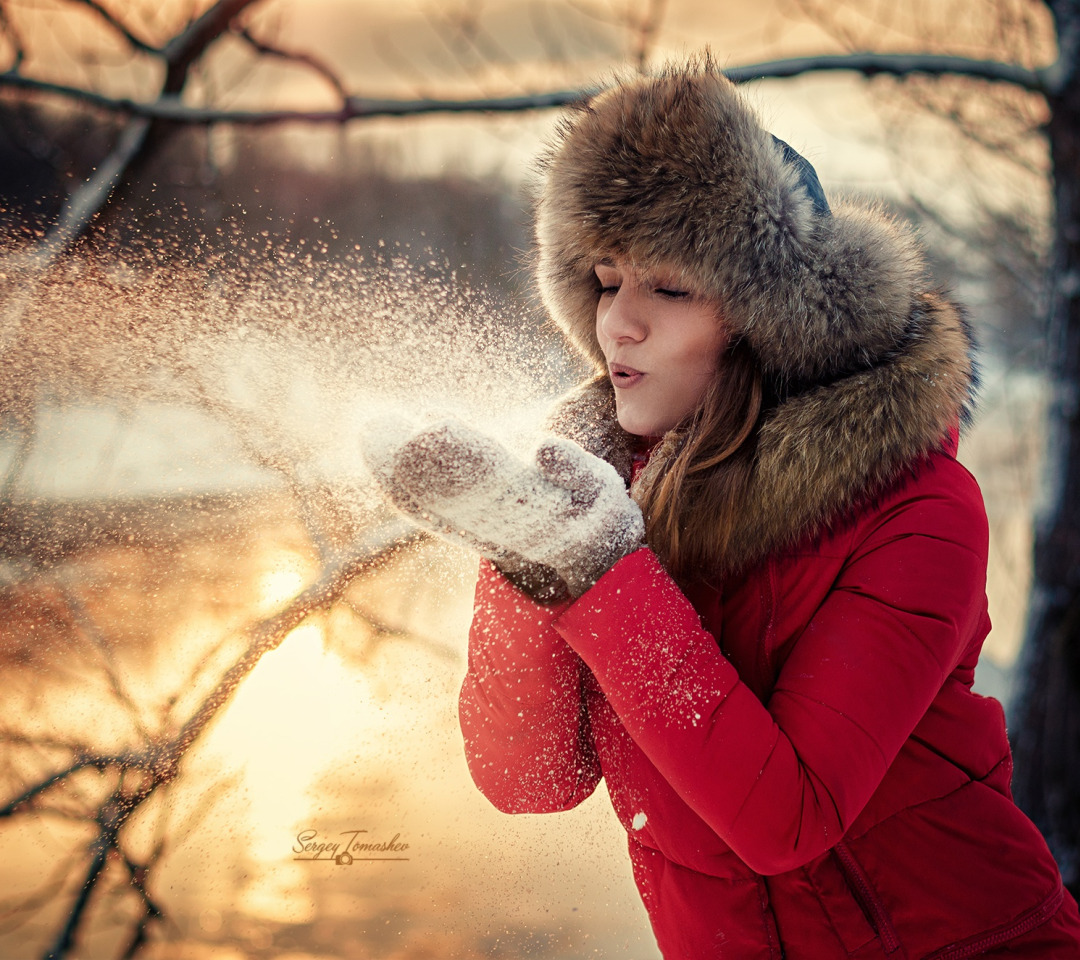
(676, 169)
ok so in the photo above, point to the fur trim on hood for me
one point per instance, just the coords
(873, 369)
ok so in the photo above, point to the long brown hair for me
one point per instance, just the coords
(690, 505)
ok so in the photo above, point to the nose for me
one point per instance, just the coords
(620, 317)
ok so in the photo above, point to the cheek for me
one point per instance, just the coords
(702, 355)
(696, 383)
(700, 365)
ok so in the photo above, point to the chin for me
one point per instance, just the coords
(642, 426)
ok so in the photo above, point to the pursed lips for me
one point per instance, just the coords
(624, 376)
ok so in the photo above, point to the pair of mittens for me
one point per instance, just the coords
(562, 519)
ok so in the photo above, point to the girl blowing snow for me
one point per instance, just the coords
(767, 647)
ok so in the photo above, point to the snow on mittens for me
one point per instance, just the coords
(568, 510)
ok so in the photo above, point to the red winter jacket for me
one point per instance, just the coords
(796, 753)
(792, 745)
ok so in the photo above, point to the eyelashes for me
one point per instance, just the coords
(668, 293)
(656, 281)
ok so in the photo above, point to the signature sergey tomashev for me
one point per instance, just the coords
(309, 846)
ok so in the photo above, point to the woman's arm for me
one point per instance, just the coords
(781, 783)
(526, 732)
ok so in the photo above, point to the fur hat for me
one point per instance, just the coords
(677, 169)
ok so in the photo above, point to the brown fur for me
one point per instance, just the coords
(872, 368)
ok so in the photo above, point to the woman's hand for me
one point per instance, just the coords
(568, 511)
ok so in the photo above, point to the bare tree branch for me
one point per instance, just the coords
(1012, 130)
(99, 848)
(268, 635)
(183, 50)
(901, 65)
(140, 773)
(39, 741)
(355, 108)
(462, 34)
(95, 761)
(15, 914)
(1005, 263)
(151, 910)
(161, 761)
(82, 206)
(85, 623)
(180, 53)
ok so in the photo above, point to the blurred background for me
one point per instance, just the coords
(233, 230)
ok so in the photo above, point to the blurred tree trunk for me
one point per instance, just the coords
(1046, 735)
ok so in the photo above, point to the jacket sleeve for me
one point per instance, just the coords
(521, 707)
(781, 782)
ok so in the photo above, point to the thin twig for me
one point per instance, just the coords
(81, 763)
(387, 630)
(246, 428)
(85, 623)
(304, 59)
(99, 848)
(82, 206)
(87, 200)
(119, 26)
(899, 65)
(75, 748)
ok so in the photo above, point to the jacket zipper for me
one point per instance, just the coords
(867, 898)
(1025, 923)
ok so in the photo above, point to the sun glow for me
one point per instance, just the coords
(285, 726)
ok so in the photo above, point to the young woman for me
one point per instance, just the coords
(767, 649)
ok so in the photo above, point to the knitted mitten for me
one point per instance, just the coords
(568, 511)
(385, 440)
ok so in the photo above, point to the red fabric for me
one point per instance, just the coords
(796, 754)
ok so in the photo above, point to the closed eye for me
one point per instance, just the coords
(672, 294)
